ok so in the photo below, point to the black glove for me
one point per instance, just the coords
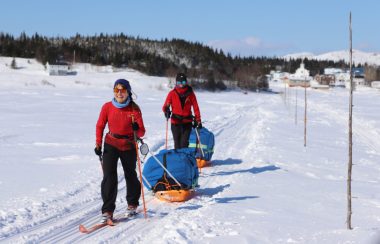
(98, 150)
(167, 113)
(199, 125)
(135, 126)
(195, 124)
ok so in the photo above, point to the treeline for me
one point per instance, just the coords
(206, 67)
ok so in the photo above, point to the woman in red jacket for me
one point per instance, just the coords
(181, 99)
(124, 118)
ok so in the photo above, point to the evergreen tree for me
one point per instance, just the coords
(159, 58)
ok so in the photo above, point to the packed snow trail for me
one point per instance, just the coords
(82, 206)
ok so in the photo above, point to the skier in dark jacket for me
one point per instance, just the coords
(124, 118)
(181, 99)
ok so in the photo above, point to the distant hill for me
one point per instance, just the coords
(359, 57)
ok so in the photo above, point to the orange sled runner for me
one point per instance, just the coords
(175, 195)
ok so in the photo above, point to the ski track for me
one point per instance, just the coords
(82, 206)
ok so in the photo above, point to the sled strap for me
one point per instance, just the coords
(168, 186)
(158, 161)
(165, 164)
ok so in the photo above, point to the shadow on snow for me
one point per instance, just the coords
(209, 192)
(228, 161)
(253, 170)
(233, 199)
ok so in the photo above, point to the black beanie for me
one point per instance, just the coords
(181, 77)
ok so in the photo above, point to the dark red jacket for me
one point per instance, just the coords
(120, 123)
(183, 108)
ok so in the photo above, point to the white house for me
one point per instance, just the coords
(277, 76)
(340, 79)
(60, 68)
(375, 84)
(332, 71)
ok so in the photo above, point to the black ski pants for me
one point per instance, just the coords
(109, 188)
(181, 134)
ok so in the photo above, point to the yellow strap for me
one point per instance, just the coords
(203, 146)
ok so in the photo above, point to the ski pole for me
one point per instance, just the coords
(166, 141)
(139, 164)
(101, 161)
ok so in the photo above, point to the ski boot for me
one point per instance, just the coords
(131, 211)
(107, 218)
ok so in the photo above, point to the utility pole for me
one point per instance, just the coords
(349, 205)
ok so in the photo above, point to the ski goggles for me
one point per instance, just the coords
(181, 82)
(117, 90)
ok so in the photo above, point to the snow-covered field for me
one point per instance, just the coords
(264, 186)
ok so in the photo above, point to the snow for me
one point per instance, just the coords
(263, 186)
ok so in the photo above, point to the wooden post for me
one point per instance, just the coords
(295, 119)
(349, 205)
(305, 118)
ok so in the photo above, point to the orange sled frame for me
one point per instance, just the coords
(202, 163)
(175, 195)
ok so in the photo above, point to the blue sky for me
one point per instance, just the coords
(241, 27)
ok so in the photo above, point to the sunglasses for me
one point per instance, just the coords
(117, 90)
(181, 82)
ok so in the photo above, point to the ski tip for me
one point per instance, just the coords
(83, 229)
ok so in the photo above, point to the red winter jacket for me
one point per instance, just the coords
(183, 108)
(120, 123)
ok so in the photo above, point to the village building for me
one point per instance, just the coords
(60, 68)
(300, 78)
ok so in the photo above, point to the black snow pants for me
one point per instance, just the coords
(181, 134)
(109, 188)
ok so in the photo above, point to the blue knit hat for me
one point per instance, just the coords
(125, 84)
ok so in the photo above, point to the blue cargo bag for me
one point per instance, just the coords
(207, 140)
(180, 163)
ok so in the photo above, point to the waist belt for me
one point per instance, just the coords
(117, 136)
(180, 117)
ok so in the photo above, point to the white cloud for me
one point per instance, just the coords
(252, 41)
(249, 46)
